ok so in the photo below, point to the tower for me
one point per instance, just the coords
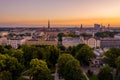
(108, 26)
(81, 26)
(48, 24)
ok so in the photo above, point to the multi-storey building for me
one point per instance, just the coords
(92, 42)
(109, 42)
(70, 41)
(117, 36)
(3, 41)
(45, 41)
(16, 42)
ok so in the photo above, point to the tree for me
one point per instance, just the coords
(54, 54)
(111, 55)
(86, 35)
(105, 34)
(11, 65)
(62, 60)
(39, 70)
(72, 35)
(39, 53)
(105, 73)
(28, 53)
(118, 63)
(73, 70)
(17, 54)
(85, 54)
(2, 49)
(5, 75)
(60, 35)
(118, 68)
(74, 49)
(8, 47)
(62, 48)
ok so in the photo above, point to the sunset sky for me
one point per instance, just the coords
(59, 12)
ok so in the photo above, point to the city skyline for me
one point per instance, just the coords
(60, 13)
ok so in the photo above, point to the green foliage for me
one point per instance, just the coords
(89, 72)
(39, 59)
(2, 49)
(39, 70)
(118, 68)
(17, 53)
(39, 53)
(105, 73)
(118, 63)
(74, 49)
(93, 77)
(73, 70)
(5, 75)
(85, 54)
(10, 64)
(28, 53)
(20, 78)
(62, 60)
(69, 67)
(86, 35)
(105, 34)
(48, 53)
(111, 55)
(72, 35)
(60, 35)
(8, 47)
(62, 48)
(54, 54)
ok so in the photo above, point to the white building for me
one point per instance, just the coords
(16, 42)
(117, 36)
(92, 42)
(43, 40)
(70, 41)
(3, 41)
(109, 42)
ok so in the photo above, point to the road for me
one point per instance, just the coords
(56, 73)
(94, 69)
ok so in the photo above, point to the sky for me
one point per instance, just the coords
(59, 12)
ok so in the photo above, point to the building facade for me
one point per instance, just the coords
(92, 42)
(117, 36)
(16, 42)
(109, 42)
(70, 41)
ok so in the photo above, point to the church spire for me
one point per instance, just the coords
(48, 24)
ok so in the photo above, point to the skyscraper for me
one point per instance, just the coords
(97, 26)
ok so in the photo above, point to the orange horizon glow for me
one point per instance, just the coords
(76, 22)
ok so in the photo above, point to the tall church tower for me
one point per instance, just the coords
(48, 24)
(108, 26)
(81, 27)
